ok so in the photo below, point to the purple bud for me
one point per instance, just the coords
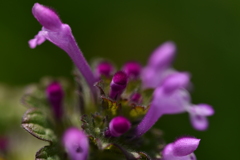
(55, 96)
(3, 143)
(132, 69)
(76, 144)
(181, 149)
(118, 84)
(104, 69)
(46, 17)
(136, 97)
(118, 126)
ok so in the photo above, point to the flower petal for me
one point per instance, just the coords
(176, 81)
(46, 17)
(185, 146)
(76, 144)
(199, 122)
(204, 110)
(163, 56)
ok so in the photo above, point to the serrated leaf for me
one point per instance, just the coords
(31, 101)
(140, 156)
(111, 107)
(144, 156)
(138, 111)
(36, 123)
(47, 153)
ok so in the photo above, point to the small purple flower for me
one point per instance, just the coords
(118, 126)
(3, 143)
(132, 69)
(136, 97)
(172, 98)
(181, 149)
(159, 65)
(60, 34)
(104, 69)
(118, 84)
(55, 96)
(76, 144)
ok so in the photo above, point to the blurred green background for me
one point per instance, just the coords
(206, 32)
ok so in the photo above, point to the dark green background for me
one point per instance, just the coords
(207, 33)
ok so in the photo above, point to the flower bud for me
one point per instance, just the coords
(118, 126)
(55, 97)
(132, 69)
(46, 17)
(136, 97)
(76, 144)
(104, 69)
(118, 84)
(3, 143)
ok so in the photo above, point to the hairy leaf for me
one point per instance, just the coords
(36, 123)
(47, 153)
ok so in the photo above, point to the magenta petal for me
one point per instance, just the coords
(152, 78)
(176, 81)
(173, 103)
(163, 56)
(198, 115)
(76, 144)
(204, 110)
(199, 122)
(185, 146)
(168, 154)
(37, 40)
(46, 17)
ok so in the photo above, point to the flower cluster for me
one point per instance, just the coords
(120, 109)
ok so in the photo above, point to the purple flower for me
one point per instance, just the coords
(132, 69)
(3, 143)
(104, 69)
(55, 96)
(60, 34)
(159, 65)
(118, 126)
(172, 98)
(76, 144)
(136, 97)
(118, 84)
(181, 149)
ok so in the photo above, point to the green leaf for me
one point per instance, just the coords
(138, 111)
(31, 101)
(47, 153)
(36, 123)
(109, 106)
